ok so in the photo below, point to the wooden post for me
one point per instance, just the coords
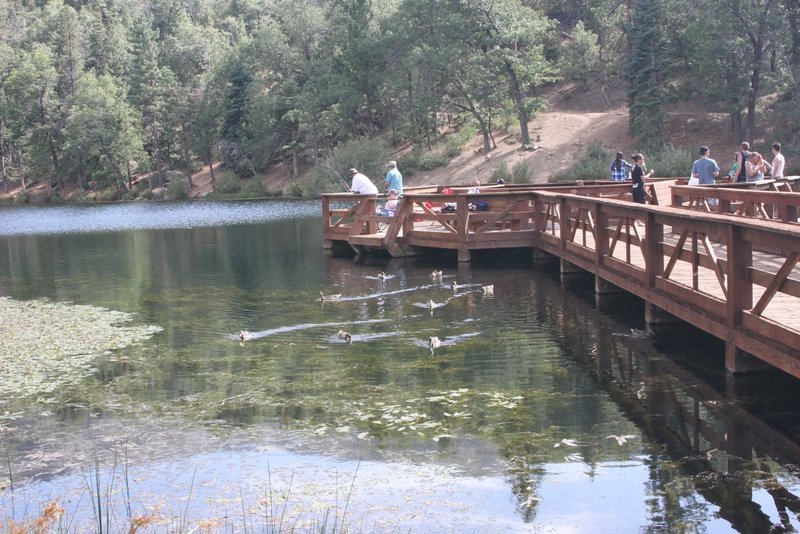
(462, 227)
(740, 296)
(327, 244)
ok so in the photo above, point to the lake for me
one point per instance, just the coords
(541, 410)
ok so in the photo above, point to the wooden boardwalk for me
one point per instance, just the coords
(722, 259)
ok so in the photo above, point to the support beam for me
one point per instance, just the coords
(604, 287)
(738, 362)
(655, 316)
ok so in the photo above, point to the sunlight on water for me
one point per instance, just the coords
(29, 220)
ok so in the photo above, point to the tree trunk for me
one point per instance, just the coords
(3, 153)
(516, 95)
(211, 169)
(752, 95)
(185, 149)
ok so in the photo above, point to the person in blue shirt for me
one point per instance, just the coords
(394, 180)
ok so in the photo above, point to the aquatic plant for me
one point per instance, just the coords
(46, 345)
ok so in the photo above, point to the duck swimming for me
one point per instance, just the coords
(382, 276)
(454, 286)
(244, 335)
(324, 298)
(434, 343)
(345, 336)
(488, 290)
(436, 274)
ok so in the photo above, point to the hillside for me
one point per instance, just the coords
(575, 119)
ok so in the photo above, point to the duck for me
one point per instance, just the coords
(431, 304)
(324, 298)
(434, 343)
(244, 335)
(382, 276)
(345, 336)
(488, 290)
(436, 274)
(454, 286)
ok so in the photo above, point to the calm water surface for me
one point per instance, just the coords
(539, 412)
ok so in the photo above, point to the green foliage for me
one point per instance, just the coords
(669, 161)
(521, 172)
(501, 172)
(368, 155)
(454, 143)
(431, 160)
(21, 198)
(226, 185)
(645, 73)
(177, 189)
(580, 57)
(593, 166)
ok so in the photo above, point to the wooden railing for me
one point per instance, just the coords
(701, 268)
(764, 204)
(707, 269)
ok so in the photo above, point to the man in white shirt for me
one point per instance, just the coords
(361, 184)
(778, 162)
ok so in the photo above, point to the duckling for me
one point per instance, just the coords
(488, 290)
(382, 276)
(345, 335)
(436, 274)
(324, 298)
(434, 343)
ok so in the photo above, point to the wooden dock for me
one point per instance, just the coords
(723, 259)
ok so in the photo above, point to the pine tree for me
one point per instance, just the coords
(645, 72)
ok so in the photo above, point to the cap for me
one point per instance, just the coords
(353, 171)
(703, 150)
(392, 163)
(500, 181)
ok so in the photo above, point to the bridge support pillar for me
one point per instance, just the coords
(655, 316)
(569, 268)
(604, 287)
(464, 254)
(540, 255)
(739, 362)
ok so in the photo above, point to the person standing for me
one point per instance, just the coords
(393, 180)
(756, 167)
(638, 177)
(705, 169)
(741, 158)
(619, 168)
(361, 184)
(778, 162)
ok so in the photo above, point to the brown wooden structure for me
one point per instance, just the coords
(731, 271)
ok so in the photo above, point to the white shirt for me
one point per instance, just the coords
(777, 165)
(362, 185)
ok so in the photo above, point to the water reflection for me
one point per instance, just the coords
(535, 409)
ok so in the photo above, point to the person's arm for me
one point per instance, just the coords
(649, 173)
(741, 165)
(694, 171)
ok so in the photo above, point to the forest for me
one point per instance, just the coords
(99, 93)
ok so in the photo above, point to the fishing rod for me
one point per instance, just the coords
(339, 176)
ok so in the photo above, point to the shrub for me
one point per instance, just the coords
(21, 198)
(431, 160)
(454, 144)
(501, 172)
(408, 164)
(227, 185)
(295, 190)
(521, 173)
(253, 188)
(177, 189)
(670, 161)
(594, 166)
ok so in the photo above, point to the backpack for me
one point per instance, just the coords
(743, 175)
